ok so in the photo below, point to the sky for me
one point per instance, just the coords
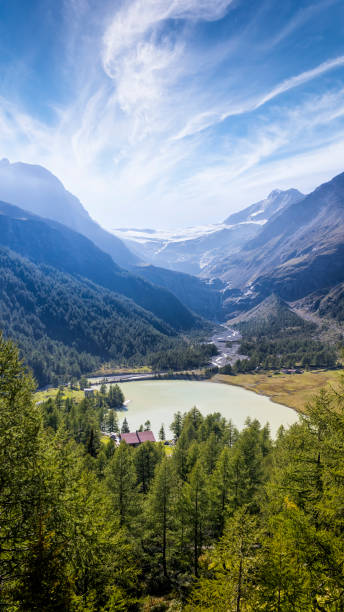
(173, 113)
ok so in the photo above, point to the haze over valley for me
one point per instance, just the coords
(171, 306)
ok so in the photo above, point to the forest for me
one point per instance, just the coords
(229, 521)
(284, 342)
(67, 326)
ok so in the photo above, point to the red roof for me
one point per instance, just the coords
(145, 436)
(130, 438)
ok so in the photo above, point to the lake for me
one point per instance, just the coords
(159, 400)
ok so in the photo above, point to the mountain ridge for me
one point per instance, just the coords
(34, 188)
(49, 242)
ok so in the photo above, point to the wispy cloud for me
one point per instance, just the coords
(211, 117)
(166, 119)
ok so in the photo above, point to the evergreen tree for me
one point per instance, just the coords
(177, 425)
(146, 457)
(162, 435)
(125, 426)
(121, 481)
(160, 510)
(233, 564)
(195, 496)
(112, 421)
(19, 449)
(83, 383)
(220, 490)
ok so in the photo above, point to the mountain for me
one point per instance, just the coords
(66, 326)
(299, 251)
(200, 295)
(325, 302)
(271, 309)
(47, 242)
(248, 224)
(264, 209)
(37, 190)
(201, 250)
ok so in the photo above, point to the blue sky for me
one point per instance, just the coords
(169, 113)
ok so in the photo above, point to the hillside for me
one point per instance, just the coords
(272, 309)
(197, 294)
(298, 252)
(201, 250)
(37, 190)
(65, 326)
(48, 242)
(265, 209)
(325, 303)
(274, 337)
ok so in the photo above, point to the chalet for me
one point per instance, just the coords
(145, 436)
(89, 392)
(134, 438)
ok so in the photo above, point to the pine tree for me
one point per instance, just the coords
(125, 426)
(196, 502)
(159, 510)
(146, 457)
(177, 425)
(162, 435)
(246, 466)
(220, 491)
(233, 567)
(210, 452)
(121, 481)
(20, 425)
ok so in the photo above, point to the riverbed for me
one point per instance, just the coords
(158, 401)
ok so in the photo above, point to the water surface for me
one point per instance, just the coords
(159, 400)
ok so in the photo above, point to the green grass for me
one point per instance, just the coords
(293, 390)
(42, 396)
(169, 450)
(111, 370)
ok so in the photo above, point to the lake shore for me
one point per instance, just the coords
(158, 401)
(292, 390)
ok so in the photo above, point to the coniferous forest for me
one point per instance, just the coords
(228, 521)
(66, 326)
(171, 306)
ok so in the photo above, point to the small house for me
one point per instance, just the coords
(89, 392)
(145, 436)
(134, 438)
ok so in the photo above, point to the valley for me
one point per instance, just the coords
(172, 306)
(274, 247)
(212, 356)
(227, 341)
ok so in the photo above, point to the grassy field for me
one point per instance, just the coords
(108, 370)
(293, 390)
(41, 396)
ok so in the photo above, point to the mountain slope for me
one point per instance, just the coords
(302, 249)
(271, 309)
(265, 209)
(325, 302)
(299, 251)
(195, 293)
(65, 326)
(48, 242)
(37, 190)
(201, 250)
